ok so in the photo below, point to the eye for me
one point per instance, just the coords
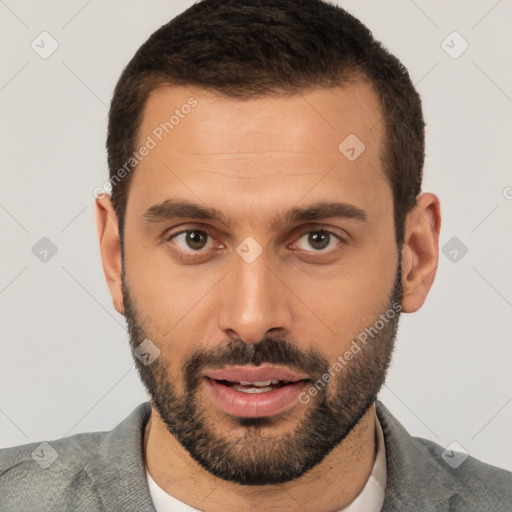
(319, 240)
(199, 241)
(191, 240)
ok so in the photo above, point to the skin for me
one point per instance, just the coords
(252, 160)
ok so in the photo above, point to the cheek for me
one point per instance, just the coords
(157, 281)
(342, 303)
(171, 299)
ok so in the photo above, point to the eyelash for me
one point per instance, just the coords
(208, 234)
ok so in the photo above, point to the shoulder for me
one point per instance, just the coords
(473, 482)
(82, 473)
(423, 475)
(50, 474)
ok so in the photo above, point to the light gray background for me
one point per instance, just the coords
(65, 364)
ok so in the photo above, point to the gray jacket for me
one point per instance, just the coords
(104, 471)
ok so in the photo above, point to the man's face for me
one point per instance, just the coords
(257, 289)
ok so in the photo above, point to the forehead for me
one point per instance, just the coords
(322, 143)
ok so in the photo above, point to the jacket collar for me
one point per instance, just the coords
(120, 475)
(416, 478)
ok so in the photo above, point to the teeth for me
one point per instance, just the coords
(263, 383)
(253, 390)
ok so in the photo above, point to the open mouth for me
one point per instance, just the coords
(255, 387)
(253, 392)
(242, 398)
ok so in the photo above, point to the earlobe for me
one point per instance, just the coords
(110, 248)
(420, 251)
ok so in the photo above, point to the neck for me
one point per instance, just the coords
(331, 485)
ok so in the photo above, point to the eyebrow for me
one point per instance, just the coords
(175, 208)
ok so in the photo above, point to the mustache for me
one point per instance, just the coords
(274, 351)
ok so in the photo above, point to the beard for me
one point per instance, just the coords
(260, 456)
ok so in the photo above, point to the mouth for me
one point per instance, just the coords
(252, 392)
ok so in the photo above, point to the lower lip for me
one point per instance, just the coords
(255, 405)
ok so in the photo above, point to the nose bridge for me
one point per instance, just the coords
(252, 301)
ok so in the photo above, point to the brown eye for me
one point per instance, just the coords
(192, 240)
(317, 240)
(196, 239)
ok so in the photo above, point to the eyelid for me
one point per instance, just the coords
(309, 228)
(168, 236)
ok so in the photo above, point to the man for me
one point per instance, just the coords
(263, 231)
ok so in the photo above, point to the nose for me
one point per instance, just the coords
(253, 301)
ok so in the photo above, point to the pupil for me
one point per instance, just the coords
(194, 239)
(316, 236)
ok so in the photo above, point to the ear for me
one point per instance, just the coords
(420, 252)
(110, 248)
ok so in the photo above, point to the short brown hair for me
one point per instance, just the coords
(251, 48)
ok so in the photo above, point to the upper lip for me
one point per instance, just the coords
(255, 374)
